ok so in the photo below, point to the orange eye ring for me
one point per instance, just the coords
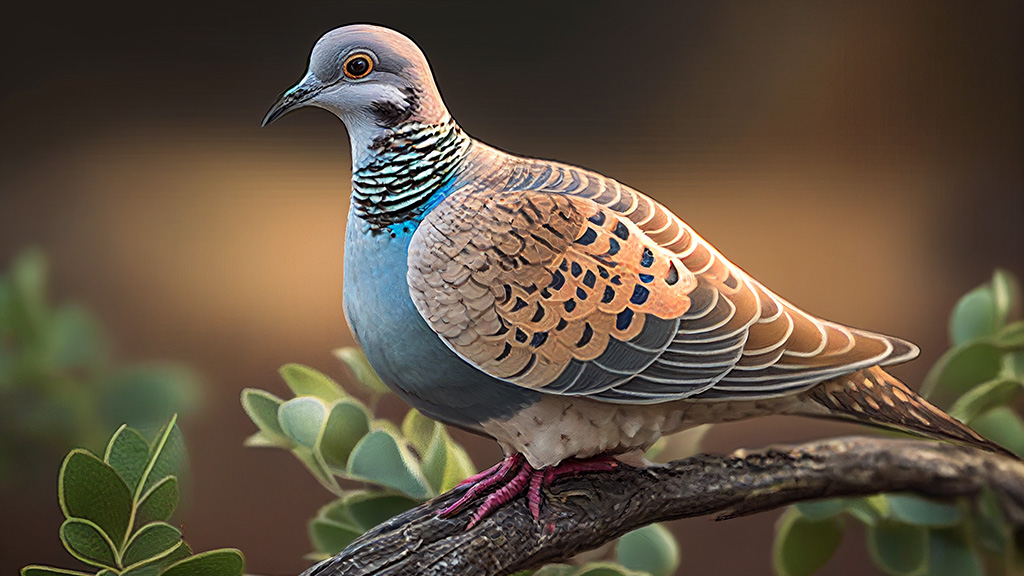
(357, 66)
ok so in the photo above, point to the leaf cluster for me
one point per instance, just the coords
(337, 436)
(59, 386)
(978, 380)
(117, 508)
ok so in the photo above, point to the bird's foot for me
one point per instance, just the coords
(514, 475)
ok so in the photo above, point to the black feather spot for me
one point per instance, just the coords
(609, 295)
(731, 282)
(557, 280)
(576, 269)
(588, 237)
(588, 333)
(520, 335)
(646, 278)
(504, 353)
(603, 272)
(621, 231)
(597, 218)
(673, 274)
(616, 280)
(570, 305)
(508, 293)
(519, 305)
(539, 314)
(613, 247)
(647, 258)
(538, 339)
(564, 266)
(561, 324)
(589, 279)
(581, 294)
(640, 294)
(624, 319)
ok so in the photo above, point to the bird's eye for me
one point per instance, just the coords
(358, 66)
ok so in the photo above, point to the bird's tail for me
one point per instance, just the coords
(873, 396)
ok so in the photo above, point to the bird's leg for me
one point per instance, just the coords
(515, 475)
(483, 481)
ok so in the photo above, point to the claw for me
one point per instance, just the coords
(514, 475)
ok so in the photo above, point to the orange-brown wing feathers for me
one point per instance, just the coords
(569, 282)
(522, 284)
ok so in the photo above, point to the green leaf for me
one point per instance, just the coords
(869, 510)
(915, 510)
(146, 395)
(1006, 295)
(314, 462)
(167, 457)
(555, 570)
(960, 369)
(650, 549)
(330, 537)
(822, 509)
(154, 566)
(87, 542)
(223, 562)
(78, 342)
(1002, 426)
(91, 490)
(436, 460)
(802, 546)
(30, 314)
(36, 570)
(950, 555)
(305, 381)
(898, 549)
(150, 541)
(1013, 366)
(262, 408)
(604, 569)
(302, 419)
(974, 316)
(346, 425)
(997, 392)
(380, 458)
(128, 454)
(366, 509)
(1011, 336)
(361, 369)
(159, 503)
(990, 526)
(419, 430)
(459, 467)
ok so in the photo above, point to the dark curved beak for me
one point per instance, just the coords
(296, 97)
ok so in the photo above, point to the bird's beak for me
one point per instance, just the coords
(296, 97)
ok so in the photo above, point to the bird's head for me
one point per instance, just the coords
(371, 77)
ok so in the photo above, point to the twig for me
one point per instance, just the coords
(585, 512)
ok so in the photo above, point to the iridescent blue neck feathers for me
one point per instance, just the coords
(408, 173)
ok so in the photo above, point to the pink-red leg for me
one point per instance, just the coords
(515, 475)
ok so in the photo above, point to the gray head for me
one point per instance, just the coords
(372, 78)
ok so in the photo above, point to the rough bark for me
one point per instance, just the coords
(584, 512)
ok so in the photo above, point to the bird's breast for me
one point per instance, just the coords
(404, 351)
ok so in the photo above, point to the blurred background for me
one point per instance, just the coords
(863, 159)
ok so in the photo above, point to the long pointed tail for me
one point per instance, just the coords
(873, 396)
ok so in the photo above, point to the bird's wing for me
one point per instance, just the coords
(564, 281)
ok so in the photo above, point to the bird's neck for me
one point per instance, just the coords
(404, 172)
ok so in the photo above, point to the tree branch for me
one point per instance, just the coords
(584, 512)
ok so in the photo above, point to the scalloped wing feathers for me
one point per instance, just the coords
(558, 279)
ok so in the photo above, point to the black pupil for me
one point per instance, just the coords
(357, 66)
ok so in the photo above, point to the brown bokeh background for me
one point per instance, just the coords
(863, 159)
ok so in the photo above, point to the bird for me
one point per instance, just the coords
(562, 313)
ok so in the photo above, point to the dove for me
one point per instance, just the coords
(554, 309)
